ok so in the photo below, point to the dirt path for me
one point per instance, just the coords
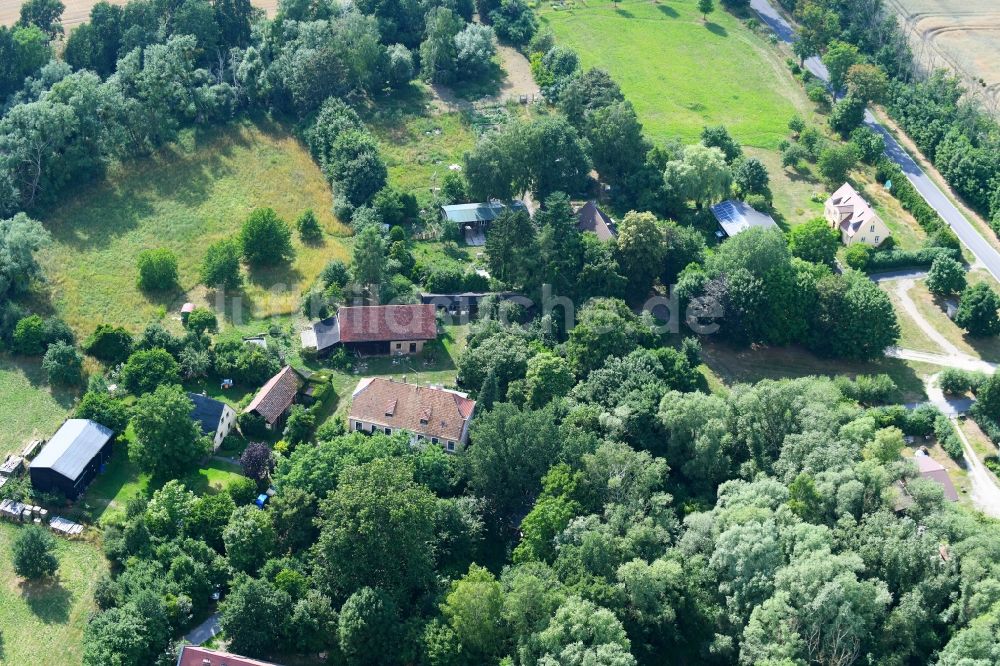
(985, 493)
(903, 292)
(517, 83)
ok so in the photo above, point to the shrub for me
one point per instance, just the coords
(335, 272)
(796, 124)
(954, 381)
(836, 162)
(147, 369)
(201, 320)
(109, 344)
(847, 115)
(266, 239)
(33, 553)
(868, 389)
(944, 432)
(885, 260)
(946, 276)
(29, 336)
(221, 266)
(243, 490)
(977, 311)
(157, 269)
(308, 227)
(869, 144)
(817, 94)
(63, 363)
(857, 256)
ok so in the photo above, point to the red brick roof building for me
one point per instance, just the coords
(276, 396)
(375, 329)
(384, 405)
(192, 655)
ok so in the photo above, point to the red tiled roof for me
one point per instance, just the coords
(382, 323)
(422, 410)
(276, 395)
(192, 655)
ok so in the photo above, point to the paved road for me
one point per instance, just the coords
(923, 183)
(204, 631)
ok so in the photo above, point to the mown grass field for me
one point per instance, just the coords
(41, 624)
(29, 407)
(682, 73)
(196, 191)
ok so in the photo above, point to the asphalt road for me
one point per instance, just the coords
(967, 233)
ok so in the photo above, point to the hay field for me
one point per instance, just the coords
(77, 11)
(963, 35)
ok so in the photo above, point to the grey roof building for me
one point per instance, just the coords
(591, 218)
(476, 214)
(736, 216)
(215, 418)
(72, 457)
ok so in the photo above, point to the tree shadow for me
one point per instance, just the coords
(48, 600)
(717, 29)
(624, 13)
(668, 11)
(31, 369)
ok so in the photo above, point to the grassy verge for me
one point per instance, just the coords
(190, 194)
(911, 335)
(43, 622)
(29, 407)
(988, 349)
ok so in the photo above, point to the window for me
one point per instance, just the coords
(876, 239)
(357, 425)
(388, 431)
(398, 345)
(873, 228)
(434, 440)
(451, 446)
(413, 347)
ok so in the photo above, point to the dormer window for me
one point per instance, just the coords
(390, 408)
(425, 416)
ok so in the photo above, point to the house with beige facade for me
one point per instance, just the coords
(387, 406)
(857, 221)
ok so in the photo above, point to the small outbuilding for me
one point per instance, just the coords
(932, 470)
(275, 398)
(72, 458)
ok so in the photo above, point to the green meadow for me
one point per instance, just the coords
(185, 197)
(681, 72)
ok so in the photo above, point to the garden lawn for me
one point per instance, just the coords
(42, 623)
(188, 195)
(418, 148)
(29, 407)
(682, 73)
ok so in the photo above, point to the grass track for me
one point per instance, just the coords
(191, 194)
(682, 73)
(42, 623)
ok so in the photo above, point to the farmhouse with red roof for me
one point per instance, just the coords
(385, 405)
(375, 329)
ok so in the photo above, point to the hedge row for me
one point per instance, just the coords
(887, 260)
(908, 196)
